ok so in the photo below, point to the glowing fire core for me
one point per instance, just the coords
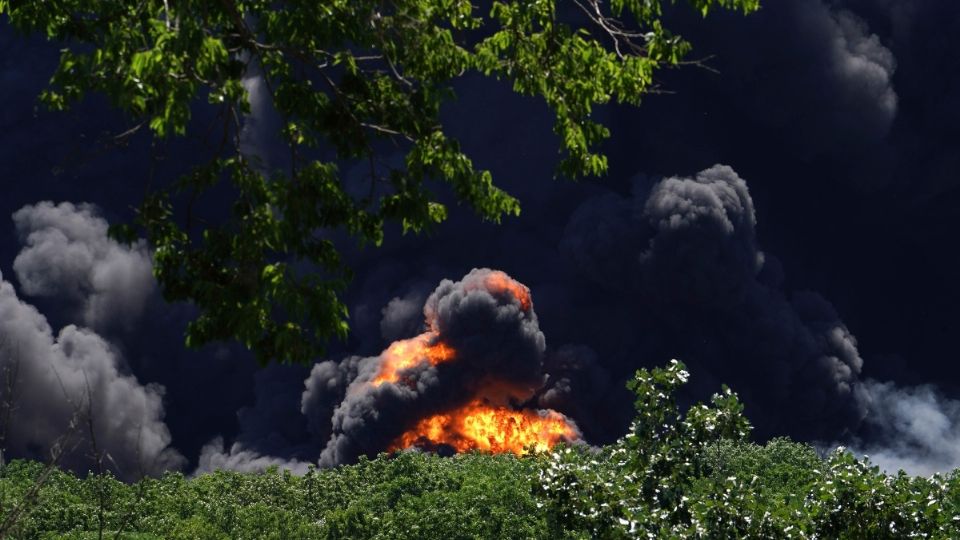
(477, 426)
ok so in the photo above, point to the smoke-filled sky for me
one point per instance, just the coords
(784, 225)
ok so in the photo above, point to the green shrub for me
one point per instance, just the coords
(676, 474)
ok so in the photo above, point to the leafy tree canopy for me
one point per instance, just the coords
(353, 81)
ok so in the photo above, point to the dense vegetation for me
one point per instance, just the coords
(673, 475)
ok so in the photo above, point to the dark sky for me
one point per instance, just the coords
(784, 225)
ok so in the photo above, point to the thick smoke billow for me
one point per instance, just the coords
(68, 255)
(866, 68)
(402, 316)
(482, 341)
(848, 71)
(682, 276)
(685, 249)
(676, 269)
(489, 320)
(76, 376)
(326, 388)
(915, 429)
(70, 262)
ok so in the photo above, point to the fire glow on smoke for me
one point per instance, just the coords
(408, 353)
(481, 424)
(501, 282)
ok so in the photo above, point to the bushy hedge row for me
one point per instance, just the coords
(410, 495)
(674, 475)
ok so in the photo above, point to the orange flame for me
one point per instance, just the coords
(407, 353)
(477, 426)
(499, 281)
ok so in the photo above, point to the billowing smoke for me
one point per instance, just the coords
(674, 270)
(73, 388)
(403, 316)
(480, 358)
(683, 257)
(681, 276)
(214, 457)
(104, 290)
(67, 255)
(806, 79)
(915, 429)
(862, 69)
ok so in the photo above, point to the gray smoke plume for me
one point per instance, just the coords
(402, 317)
(262, 125)
(864, 68)
(326, 388)
(914, 429)
(50, 380)
(68, 255)
(214, 457)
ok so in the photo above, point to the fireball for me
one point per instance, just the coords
(478, 426)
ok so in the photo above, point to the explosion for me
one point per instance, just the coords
(477, 426)
(459, 385)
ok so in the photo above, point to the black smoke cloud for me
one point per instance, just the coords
(687, 275)
(806, 79)
(673, 270)
(652, 273)
(841, 113)
(402, 316)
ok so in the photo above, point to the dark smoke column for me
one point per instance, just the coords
(677, 273)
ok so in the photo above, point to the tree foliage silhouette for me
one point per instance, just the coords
(353, 81)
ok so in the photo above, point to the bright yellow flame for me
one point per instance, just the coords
(405, 354)
(477, 426)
